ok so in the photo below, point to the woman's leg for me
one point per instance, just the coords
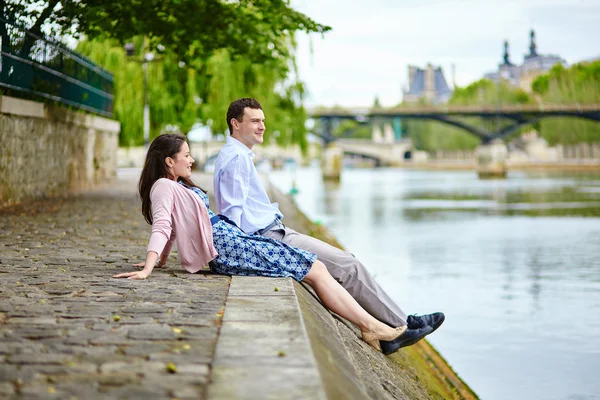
(338, 300)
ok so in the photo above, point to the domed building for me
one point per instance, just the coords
(523, 75)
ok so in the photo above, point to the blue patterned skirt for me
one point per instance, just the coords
(255, 255)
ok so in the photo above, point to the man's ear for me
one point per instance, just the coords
(235, 123)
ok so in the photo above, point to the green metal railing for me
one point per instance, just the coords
(41, 67)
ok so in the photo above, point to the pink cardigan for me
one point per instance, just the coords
(177, 209)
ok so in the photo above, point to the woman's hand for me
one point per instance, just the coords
(151, 258)
(133, 275)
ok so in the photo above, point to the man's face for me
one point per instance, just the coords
(251, 129)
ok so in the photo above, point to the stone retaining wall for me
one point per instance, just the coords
(415, 372)
(582, 152)
(47, 150)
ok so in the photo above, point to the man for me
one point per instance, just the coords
(241, 197)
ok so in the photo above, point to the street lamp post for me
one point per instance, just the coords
(148, 57)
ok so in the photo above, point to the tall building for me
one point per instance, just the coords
(523, 75)
(428, 84)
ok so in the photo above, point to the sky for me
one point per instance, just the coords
(372, 42)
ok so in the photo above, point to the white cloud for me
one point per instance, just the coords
(373, 42)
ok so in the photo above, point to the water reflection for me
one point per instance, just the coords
(331, 198)
(513, 264)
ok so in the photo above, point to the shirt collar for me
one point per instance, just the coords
(231, 140)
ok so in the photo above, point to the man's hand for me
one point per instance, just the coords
(133, 275)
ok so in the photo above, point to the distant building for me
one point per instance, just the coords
(508, 71)
(428, 84)
(589, 60)
(523, 75)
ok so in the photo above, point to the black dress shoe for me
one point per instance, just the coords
(409, 337)
(419, 321)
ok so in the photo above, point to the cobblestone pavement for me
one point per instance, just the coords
(68, 330)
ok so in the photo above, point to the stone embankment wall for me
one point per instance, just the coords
(348, 365)
(584, 153)
(48, 151)
(580, 151)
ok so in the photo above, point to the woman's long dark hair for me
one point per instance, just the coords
(166, 145)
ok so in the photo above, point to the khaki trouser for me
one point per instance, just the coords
(349, 272)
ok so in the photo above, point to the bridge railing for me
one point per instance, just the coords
(452, 109)
(32, 66)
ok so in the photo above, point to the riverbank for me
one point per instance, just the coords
(69, 330)
(581, 165)
(490, 254)
(420, 362)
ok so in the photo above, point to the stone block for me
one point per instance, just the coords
(139, 367)
(32, 320)
(265, 382)
(151, 332)
(144, 349)
(6, 389)
(25, 108)
(34, 333)
(272, 344)
(255, 286)
(193, 369)
(133, 392)
(41, 359)
(273, 309)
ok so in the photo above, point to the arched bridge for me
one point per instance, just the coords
(384, 154)
(519, 115)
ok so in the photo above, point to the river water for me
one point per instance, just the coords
(514, 264)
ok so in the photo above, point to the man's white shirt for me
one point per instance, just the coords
(239, 192)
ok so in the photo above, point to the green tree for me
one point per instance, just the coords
(486, 92)
(579, 84)
(180, 95)
(191, 29)
(216, 51)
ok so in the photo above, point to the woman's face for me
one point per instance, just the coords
(180, 165)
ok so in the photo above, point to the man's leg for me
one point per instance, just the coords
(349, 272)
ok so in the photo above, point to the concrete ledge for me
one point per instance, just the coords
(262, 350)
(24, 108)
(35, 109)
(277, 341)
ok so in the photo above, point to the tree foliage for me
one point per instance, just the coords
(191, 29)
(486, 92)
(215, 51)
(180, 95)
(579, 84)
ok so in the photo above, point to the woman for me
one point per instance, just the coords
(172, 204)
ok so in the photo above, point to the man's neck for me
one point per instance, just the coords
(249, 147)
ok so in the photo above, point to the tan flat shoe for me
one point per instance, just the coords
(373, 339)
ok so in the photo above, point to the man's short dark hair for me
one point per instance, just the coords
(236, 110)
